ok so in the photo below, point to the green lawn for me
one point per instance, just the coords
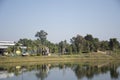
(61, 58)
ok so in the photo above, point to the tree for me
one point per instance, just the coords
(92, 43)
(62, 46)
(96, 44)
(70, 49)
(89, 42)
(89, 37)
(42, 35)
(10, 49)
(78, 42)
(73, 45)
(104, 45)
(113, 44)
(26, 42)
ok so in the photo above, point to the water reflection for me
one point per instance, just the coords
(113, 72)
(82, 71)
(43, 71)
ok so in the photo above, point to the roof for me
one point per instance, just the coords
(7, 43)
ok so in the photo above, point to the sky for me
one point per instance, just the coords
(61, 19)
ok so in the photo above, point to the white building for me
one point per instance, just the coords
(5, 44)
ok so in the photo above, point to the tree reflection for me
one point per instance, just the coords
(113, 72)
(89, 71)
(80, 70)
(43, 72)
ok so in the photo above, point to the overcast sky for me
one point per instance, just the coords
(61, 19)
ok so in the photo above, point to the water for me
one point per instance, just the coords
(62, 71)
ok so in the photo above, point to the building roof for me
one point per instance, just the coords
(6, 44)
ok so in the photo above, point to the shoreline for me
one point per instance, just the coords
(62, 58)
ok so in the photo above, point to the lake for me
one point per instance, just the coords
(61, 71)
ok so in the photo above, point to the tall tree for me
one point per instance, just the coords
(96, 44)
(62, 46)
(89, 37)
(78, 42)
(104, 45)
(42, 36)
(113, 44)
(92, 43)
(89, 42)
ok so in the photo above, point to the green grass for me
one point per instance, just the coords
(61, 58)
(91, 59)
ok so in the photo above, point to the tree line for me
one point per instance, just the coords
(78, 44)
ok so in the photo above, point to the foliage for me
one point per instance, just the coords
(78, 44)
(113, 44)
(104, 45)
(42, 35)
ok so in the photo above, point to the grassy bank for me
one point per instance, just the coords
(62, 58)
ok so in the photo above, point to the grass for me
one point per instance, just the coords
(91, 59)
(61, 58)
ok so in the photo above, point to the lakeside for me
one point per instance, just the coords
(61, 58)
